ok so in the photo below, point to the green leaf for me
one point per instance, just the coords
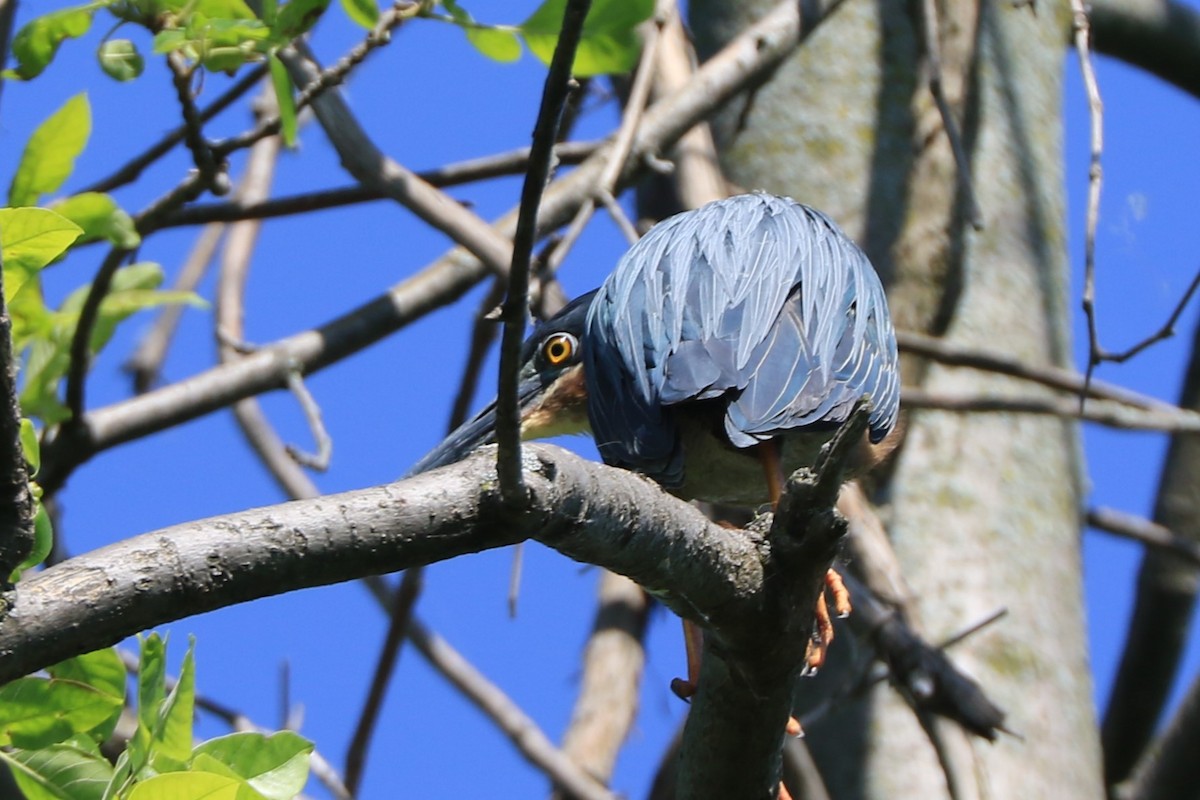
(282, 84)
(72, 770)
(43, 543)
(35, 44)
(30, 447)
(297, 17)
(30, 239)
(497, 44)
(35, 712)
(100, 669)
(191, 786)
(120, 59)
(276, 766)
(213, 9)
(609, 42)
(173, 730)
(101, 218)
(363, 12)
(151, 689)
(50, 154)
(133, 288)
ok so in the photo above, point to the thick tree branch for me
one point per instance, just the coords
(612, 671)
(753, 592)
(1171, 768)
(1159, 36)
(16, 501)
(1166, 601)
(590, 512)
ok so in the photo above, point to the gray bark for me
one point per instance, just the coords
(984, 510)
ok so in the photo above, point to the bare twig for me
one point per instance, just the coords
(193, 136)
(931, 41)
(363, 160)
(475, 169)
(516, 304)
(1103, 412)
(401, 617)
(146, 362)
(312, 414)
(1143, 530)
(81, 350)
(947, 352)
(697, 174)
(235, 267)
(8, 10)
(635, 105)
(488, 698)
(131, 170)
(1082, 36)
(319, 82)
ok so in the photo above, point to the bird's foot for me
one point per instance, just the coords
(818, 646)
(683, 688)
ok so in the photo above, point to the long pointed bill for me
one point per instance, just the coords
(478, 431)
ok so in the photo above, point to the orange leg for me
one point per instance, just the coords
(693, 644)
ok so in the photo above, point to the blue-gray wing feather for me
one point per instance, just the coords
(757, 299)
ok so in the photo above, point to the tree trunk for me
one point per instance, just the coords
(984, 509)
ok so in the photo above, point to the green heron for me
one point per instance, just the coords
(723, 351)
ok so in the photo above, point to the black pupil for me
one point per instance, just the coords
(558, 349)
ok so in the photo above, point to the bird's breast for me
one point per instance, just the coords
(718, 472)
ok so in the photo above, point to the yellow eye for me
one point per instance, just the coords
(559, 348)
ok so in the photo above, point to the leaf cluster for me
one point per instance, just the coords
(34, 238)
(609, 44)
(51, 729)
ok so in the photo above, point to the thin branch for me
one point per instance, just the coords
(1140, 529)
(1082, 37)
(401, 617)
(316, 84)
(193, 136)
(145, 365)
(931, 41)
(1102, 412)
(516, 305)
(312, 415)
(507, 715)
(131, 170)
(947, 352)
(367, 164)
(635, 105)
(1165, 332)
(235, 267)
(81, 348)
(476, 169)
(8, 11)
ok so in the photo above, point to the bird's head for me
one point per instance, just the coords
(551, 391)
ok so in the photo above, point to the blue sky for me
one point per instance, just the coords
(426, 100)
